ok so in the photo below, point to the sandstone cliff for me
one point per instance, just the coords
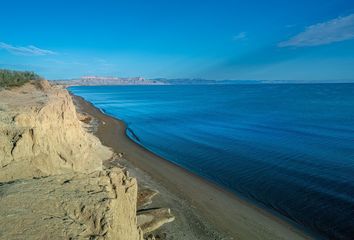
(52, 183)
(100, 205)
(41, 135)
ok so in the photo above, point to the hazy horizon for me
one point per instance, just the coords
(216, 80)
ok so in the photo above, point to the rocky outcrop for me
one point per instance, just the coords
(151, 219)
(70, 206)
(52, 182)
(41, 135)
(145, 196)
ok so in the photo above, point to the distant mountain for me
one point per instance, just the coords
(95, 81)
(199, 81)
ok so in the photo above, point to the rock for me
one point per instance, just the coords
(152, 219)
(84, 118)
(100, 205)
(150, 237)
(42, 135)
(145, 197)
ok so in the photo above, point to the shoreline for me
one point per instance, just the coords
(235, 217)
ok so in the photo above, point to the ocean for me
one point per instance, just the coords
(288, 148)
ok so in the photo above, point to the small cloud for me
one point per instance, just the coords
(26, 51)
(335, 30)
(240, 36)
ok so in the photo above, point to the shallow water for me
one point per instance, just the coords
(289, 148)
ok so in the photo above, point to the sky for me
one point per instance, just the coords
(305, 40)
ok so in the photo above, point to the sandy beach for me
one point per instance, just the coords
(203, 210)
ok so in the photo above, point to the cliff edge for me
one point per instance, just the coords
(52, 181)
(41, 135)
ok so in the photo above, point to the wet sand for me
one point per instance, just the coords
(204, 208)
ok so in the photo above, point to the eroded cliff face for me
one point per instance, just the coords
(99, 205)
(52, 183)
(41, 135)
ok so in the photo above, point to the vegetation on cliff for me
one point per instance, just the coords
(9, 78)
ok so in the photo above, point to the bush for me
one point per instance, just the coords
(10, 78)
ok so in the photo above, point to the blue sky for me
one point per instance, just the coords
(220, 39)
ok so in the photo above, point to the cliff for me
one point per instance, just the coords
(41, 135)
(52, 182)
(100, 205)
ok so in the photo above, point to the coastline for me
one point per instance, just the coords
(235, 217)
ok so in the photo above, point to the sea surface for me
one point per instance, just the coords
(286, 147)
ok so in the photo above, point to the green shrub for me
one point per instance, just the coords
(9, 78)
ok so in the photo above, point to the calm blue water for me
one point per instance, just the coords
(289, 148)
